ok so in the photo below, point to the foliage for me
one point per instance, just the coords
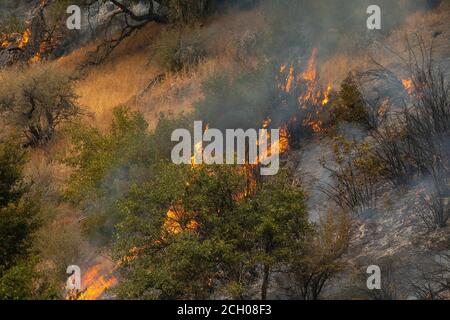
(321, 260)
(350, 106)
(12, 161)
(37, 101)
(24, 282)
(17, 213)
(281, 225)
(355, 176)
(183, 252)
(19, 221)
(175, 50)
(105, 164)
(215, 241)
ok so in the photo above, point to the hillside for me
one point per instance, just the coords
(363, 117)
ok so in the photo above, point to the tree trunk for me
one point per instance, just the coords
(265, 283)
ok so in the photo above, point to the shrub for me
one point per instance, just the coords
(175, 51)
(188, 11)
(355, 176)
(18, 212)
(105, 164)
(37, 101)
(350, 106)
(320, 260)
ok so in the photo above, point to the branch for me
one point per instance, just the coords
(150, 16)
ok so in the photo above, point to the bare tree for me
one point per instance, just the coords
(433, 282)
(414, 142)
(37, 102)
(355, 174)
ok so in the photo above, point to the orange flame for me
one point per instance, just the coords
(96, 280)
(311, 71)
(5, 43)
(408, 85)
(21, 40)
(305, 87)
(25, 38)
(173, 225)
(326, 97)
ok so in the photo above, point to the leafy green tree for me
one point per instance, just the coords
(17, 214)
(19, 221)
(195, 232)
(24, 282)
(349, 106)
(281, 225)
(178, 255)
(104, 166)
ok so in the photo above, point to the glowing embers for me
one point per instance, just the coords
(408, 86)
(15, 39)
(173, 223)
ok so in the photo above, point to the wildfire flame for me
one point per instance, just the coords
(5, 43)
(20, 40)
(172, 223)
(326, 97)
(304, 85)
(25, 38)
(408, 85)
(95, 281)
(311, 71)
(96, 290)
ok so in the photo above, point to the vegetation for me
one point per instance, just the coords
(19, 220)
(215, 242)
(37, 102)
(356, 175)
(350, 106)
(75, 189)
(175, 51)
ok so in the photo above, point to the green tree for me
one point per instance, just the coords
(349, 106)
(17, 214)
(105, 164)
(24, 282)
(281, 225)
(19, 221)
(216, 240)
(180, 254)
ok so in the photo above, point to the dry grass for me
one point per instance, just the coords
(334, 69)
(425, 24)
(121, 79)
(117, 80)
